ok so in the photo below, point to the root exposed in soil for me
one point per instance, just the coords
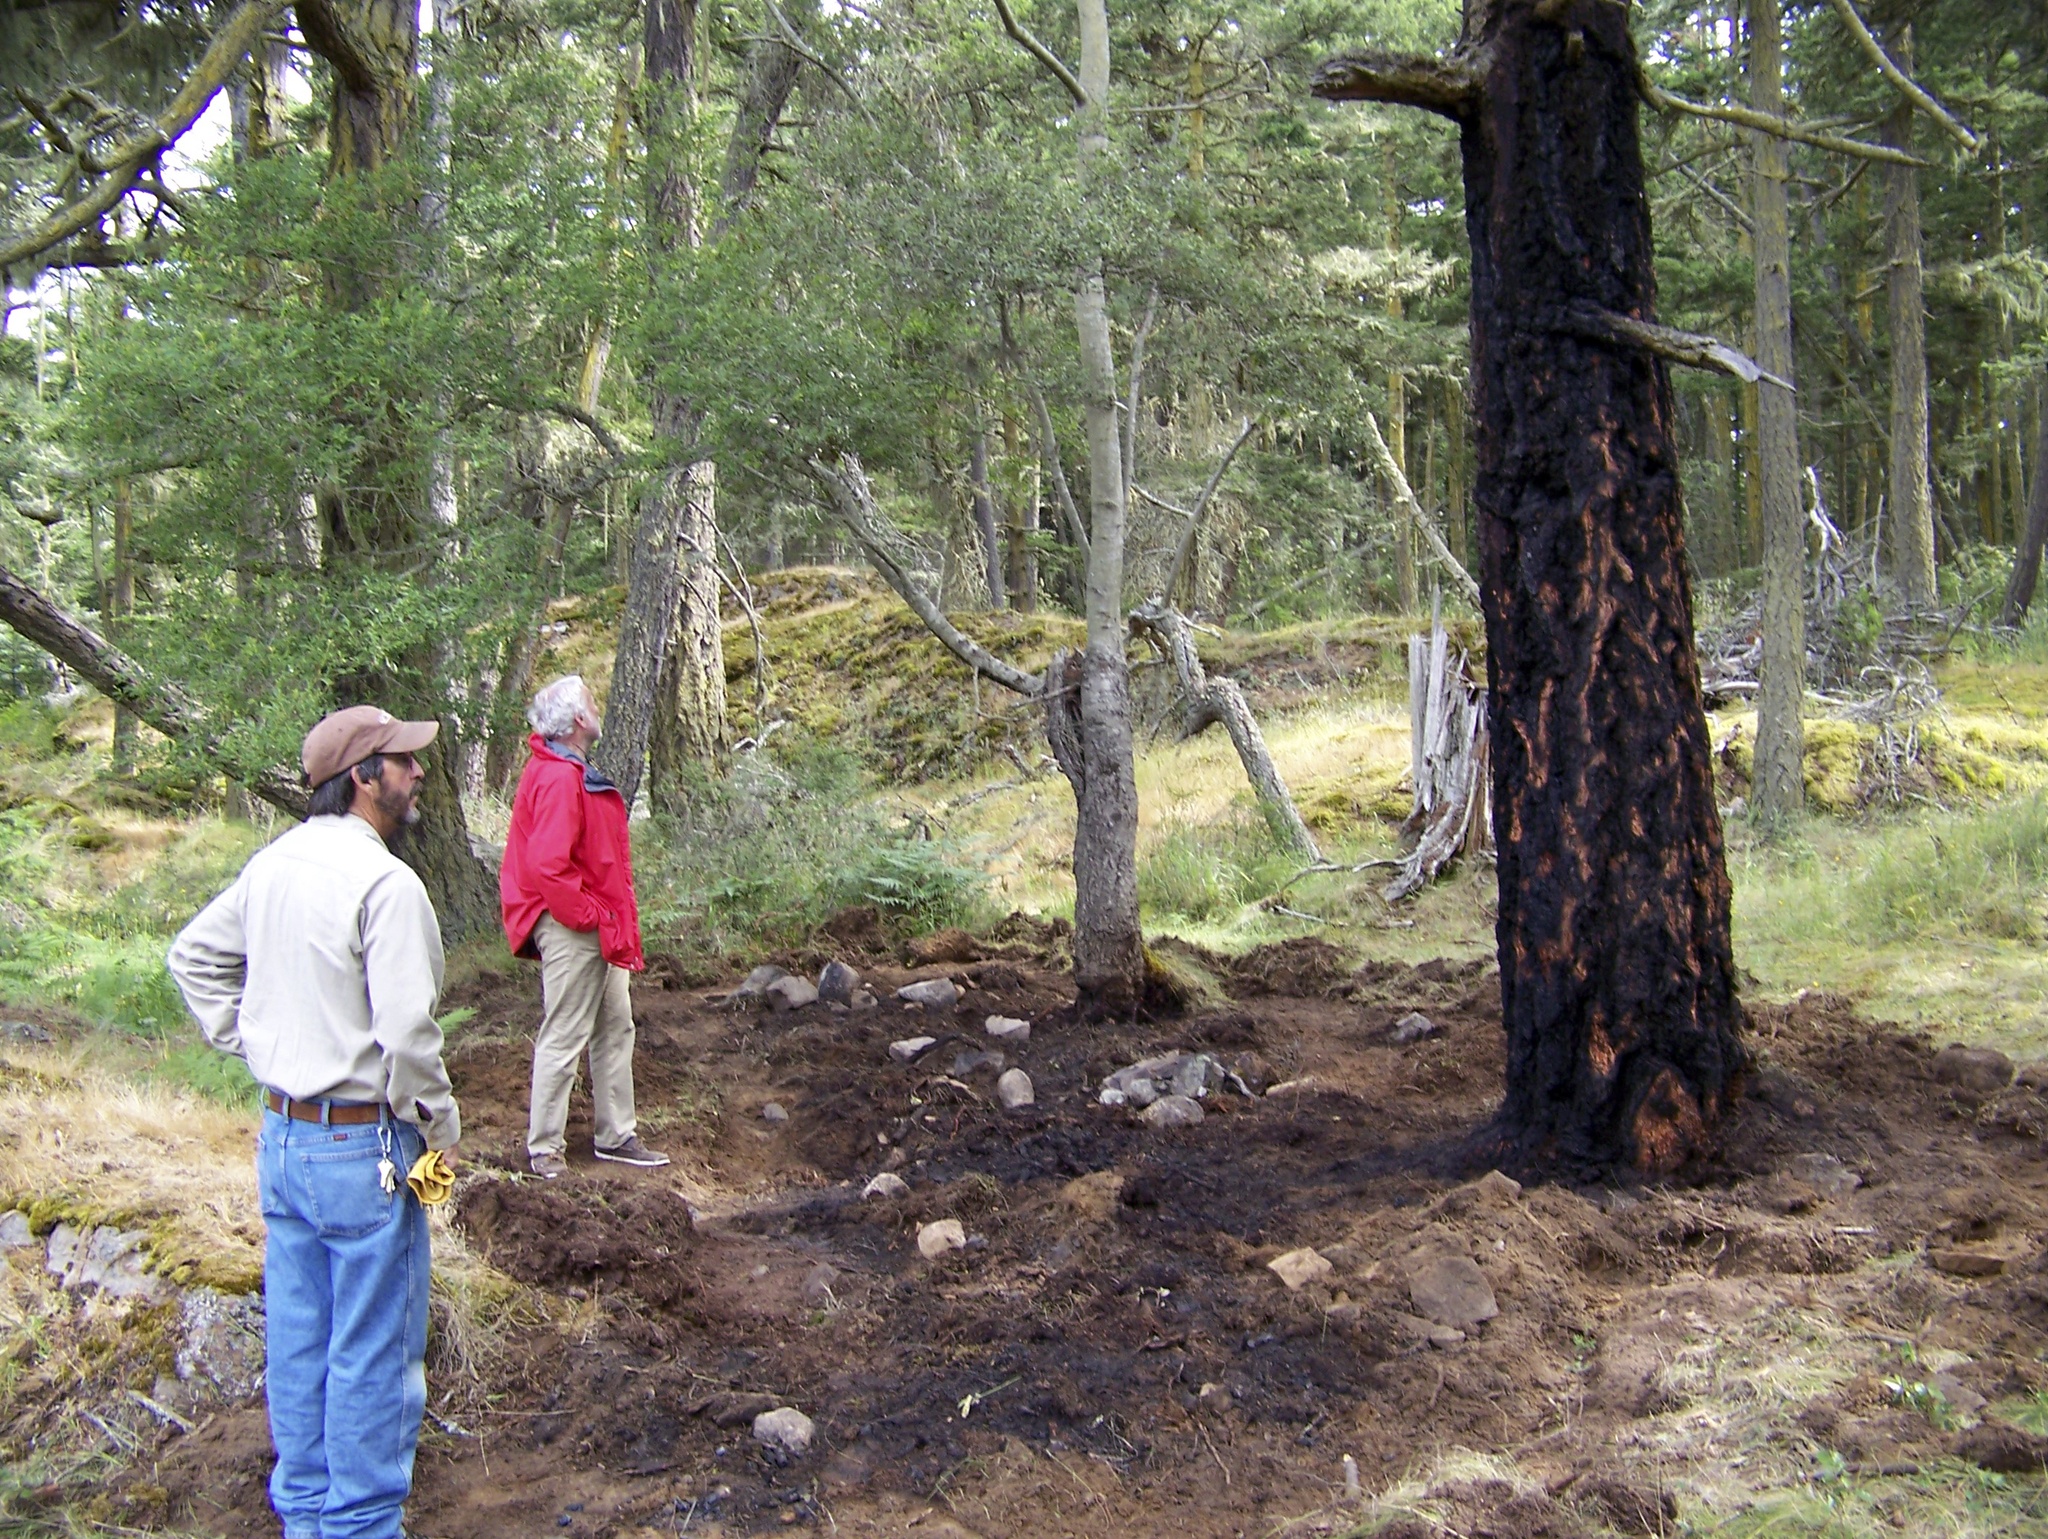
(1111, 1351)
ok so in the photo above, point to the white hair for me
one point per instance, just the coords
(559, 706)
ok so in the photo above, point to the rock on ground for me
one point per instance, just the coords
(111, 1260)
(222, 1341)
(1450, 1289)
(774, 1111)
(1297, 1267)
(932, 993)
(1005, 1028)
(909, 1047)
(755, 985)
(1174, 1111)
(935, 1239)
(1013, 1089)
(838, 983)
(14, 1230)
(887, 1184)
(790, 993)
(1413, 1027)
(1824, 1173)
(787, 1430)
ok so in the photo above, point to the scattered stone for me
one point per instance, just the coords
(820, 1286)
(1966, 1263)
(936, 1238)
(786, 1430)
(774, 1112)
(838, 983)
(1214, 1399)
(1979, 1070)
(1306, 1265)
(1094, 1196)
(1112, 1098)
(1413, 1027)
(1006, 1028)
(1174, 1111)
(972, 1060)
(1450, 1289)
(1824, 1173)
(111, 1260)
(1013, 1089)
(754, 987)
(222, 1341)
(790, 993)
(14, 1230)
(932, 993)
(2007, 1449)
(863, 1000)
(23, 1031)
(1443, 1336)
(887, 1184)
(909, 1047)
(1192, 1075)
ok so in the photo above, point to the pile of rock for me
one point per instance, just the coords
(838, 988)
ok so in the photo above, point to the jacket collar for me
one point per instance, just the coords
(595, 781)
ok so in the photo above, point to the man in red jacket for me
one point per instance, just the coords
(566, 888)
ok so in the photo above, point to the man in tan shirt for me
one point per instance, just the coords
(321, 967)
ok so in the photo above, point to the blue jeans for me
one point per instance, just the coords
(345, 1300)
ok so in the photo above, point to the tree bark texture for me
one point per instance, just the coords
(690, 728)
(1780, 786)
(1617, 976)
(985, 518)
(1088, 724)
(1912, 500)
(2026, 565)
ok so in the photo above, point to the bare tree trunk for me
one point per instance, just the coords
(118, 612)
(1212, 701)
(985, 518)
(1912, 502)
(2026, 565)
(1022, 521)
(1617, 975)
(1780, 787)
(691, 728)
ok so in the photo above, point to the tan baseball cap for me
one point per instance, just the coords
(343, 739)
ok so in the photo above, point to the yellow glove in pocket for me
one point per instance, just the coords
(431, 1178)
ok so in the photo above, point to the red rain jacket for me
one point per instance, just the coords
(568, 855)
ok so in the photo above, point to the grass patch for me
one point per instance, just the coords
(1208, 872)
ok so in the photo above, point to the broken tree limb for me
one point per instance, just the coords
(1211, 701)
(846, 484)
(1907, 86)
(1450, 763)
(1391, 469)
(1186, 552)
(1692, 348)
(1764, 123)
(1447, 86)
(123, 680)
(128, 160)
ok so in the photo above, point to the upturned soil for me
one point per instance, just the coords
(1111, 1353)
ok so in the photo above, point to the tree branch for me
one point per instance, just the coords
(1186, 552)
(1044, 55)
(1898, 77)
(1049, 452)
(122, 680)
(127, 161)
(1450, 86)
(1686, 347)
(1391, 469)
(847, 487)
(1762, 122)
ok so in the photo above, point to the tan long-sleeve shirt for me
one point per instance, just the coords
(321, 966)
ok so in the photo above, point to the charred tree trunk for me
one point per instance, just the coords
(1617, 978)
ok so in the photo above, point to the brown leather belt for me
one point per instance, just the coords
(309, 1111)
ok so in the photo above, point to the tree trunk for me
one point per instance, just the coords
(985, 518)
(1779, 783)
(1617, 976)
(2026, 565)
(122, 605)
(1912, 502)
(691, 729)
(1022, 520)
(1407, 582)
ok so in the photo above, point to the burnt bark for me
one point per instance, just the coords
(1617, 977)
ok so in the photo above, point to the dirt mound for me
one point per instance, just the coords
(1114, 1349)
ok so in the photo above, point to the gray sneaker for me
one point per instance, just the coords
(633, 1152)
(548, 1166)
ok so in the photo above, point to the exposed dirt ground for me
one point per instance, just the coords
(1111, 1353)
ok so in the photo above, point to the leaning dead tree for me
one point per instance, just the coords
(1617, 976)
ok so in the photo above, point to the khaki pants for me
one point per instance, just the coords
(585, 1003)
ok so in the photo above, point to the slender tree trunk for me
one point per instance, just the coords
(1617, 976)
(118, 610)
(1912, 501)
(1022, 521)
(1406, 581)
(2026, 564)
(985, 518)
(1780, 787)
